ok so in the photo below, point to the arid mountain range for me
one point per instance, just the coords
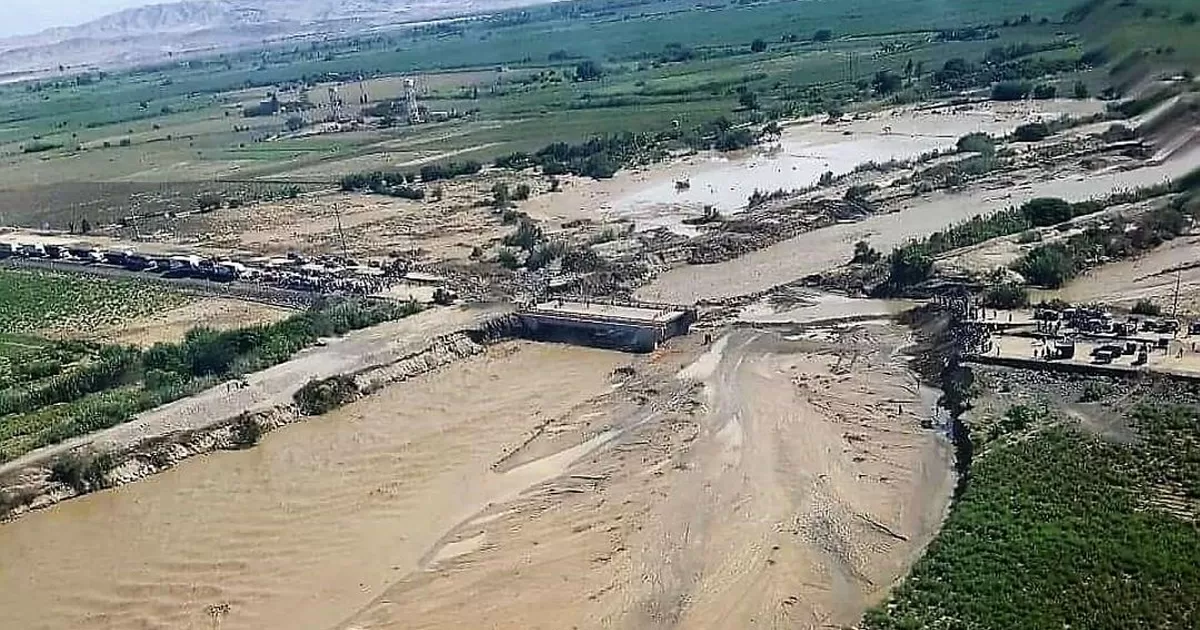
(157, 32)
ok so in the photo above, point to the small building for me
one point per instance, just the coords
(636, 327)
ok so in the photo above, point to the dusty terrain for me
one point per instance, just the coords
(170, 326)
(1152, 276)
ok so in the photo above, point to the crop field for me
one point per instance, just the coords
(32, 302)
(513, 77)
(1058, 528)
(57, 390)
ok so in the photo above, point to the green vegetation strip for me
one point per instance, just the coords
(70, 389)
(32, 301)
(1054, 531)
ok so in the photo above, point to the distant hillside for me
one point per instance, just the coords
(152, 32)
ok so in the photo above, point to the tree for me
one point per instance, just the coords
(1080, 90)
(976, 142)
(1146, 307)
(1045, 211)
(522, 192)
(294, 123)
(1010, 91)
(908, 69)
(909, 265)
(85, 226)
(588, 70)
(500, 195)
(758, 46)
(823, 35)
(864, 254)
(886, 82)
(1047, 265)
(747, 98)
(1044, 91)
(1032, 132)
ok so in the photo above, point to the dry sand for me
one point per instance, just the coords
(170, 326)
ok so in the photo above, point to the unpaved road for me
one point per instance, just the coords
(378, 345)
(829, 247)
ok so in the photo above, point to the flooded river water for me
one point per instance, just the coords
(810, 149)
(307, 527)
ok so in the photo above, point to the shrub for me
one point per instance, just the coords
(1029, 236)
(1032, 132)
(83, 473)
(588, 70)
(977, 142)
(864, 254)
(823, 35)
(317, 397)
(246, 431)
(207, 202)
(1080, 90)
(1010, 91)
(1044, 211)
(909, 265)
(1047, 265)
(1044, 91)
(758, 46)
(1006, 296)
(1146, 307)
(522, 192)
(507, 258)
(527, 236)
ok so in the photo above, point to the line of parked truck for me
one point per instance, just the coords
(294, 272)
(177, 266)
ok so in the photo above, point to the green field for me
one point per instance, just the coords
(34, 301)
(1058, 528)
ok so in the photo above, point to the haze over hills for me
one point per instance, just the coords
(156, 31)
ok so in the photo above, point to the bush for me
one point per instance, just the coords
(823, 35)
(1032, 132)
(1047, 265)
(864, 254)
(1010, 91)
(1005, 296)
(1045, 211)
(522, 192)
(83, 473)
(588, 70)
(317, 397)
(1029, 236)
(527, 236)
(1080, 90)
(977, 142)
(1044, 91)
(909, 265)
(1146, 307)
(207, 202)
(758, 46)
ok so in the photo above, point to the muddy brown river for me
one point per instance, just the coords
(306, 528)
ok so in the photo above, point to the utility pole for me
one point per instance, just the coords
(337, 212)
(1175, 305)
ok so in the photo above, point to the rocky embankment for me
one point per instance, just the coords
(45, 483)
